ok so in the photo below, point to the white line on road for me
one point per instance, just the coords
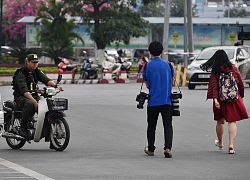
(24, 170)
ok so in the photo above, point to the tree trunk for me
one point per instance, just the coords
(101, 57)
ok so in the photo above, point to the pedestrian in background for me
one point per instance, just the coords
(230, 112)
(157, 76)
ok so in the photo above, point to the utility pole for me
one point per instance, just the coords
(185, 33)
(1, 23)
(189, 28)
(166, 29)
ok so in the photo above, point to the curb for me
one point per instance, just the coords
(6, 80)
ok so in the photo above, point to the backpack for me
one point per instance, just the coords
(228, 89)
(14, 76)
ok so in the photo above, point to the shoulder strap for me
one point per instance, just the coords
(172, 72)
(144, 73)
(171, 67)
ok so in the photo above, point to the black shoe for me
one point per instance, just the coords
(24, 132)
(51, 146)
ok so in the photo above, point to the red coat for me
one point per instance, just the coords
(231, 111)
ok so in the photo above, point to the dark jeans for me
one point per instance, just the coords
(152, 117)
(28, 109)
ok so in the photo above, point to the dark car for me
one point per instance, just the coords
(176, 56)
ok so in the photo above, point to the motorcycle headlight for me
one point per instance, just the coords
(51, 91)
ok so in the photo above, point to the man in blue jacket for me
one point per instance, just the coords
(157, 76)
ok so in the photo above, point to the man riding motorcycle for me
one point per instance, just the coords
(24, 83)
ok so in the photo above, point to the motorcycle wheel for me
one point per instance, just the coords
(81, 76)
(60, 138)
(85, 76)
(14, 143)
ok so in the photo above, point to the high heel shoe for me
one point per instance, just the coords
(231, 150)
(216, 142)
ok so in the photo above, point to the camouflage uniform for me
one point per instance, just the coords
(22, 83)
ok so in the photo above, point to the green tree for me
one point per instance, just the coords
(21, 53)
(154, 10)
(13, 10)
(236, 12)
(177, 9)
(158, 10)
(110, 21)
(56, 34)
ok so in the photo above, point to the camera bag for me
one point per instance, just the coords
(175, 96)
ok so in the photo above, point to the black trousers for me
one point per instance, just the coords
(152, 117)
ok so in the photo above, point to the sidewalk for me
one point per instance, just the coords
(7, 79)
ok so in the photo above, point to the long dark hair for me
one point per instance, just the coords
(216, 61)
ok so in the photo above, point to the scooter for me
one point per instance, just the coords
(65, 65)
(49, 122)
(109, 64)
(88, 70)
(142, 63)
(125, 63)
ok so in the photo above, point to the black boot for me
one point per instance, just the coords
(24, 132)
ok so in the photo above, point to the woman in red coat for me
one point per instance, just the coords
(225, 111)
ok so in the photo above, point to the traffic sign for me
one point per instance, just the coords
(175, 36)
(232, 36)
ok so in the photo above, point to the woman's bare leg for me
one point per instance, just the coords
(220, 131)
(232, 131)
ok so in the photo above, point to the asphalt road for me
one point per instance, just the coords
(108, 135)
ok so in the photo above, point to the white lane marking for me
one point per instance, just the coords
(24, 170)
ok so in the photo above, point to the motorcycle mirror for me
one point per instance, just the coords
(59, 78)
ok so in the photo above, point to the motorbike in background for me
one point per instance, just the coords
(65, 65)
(125, 63)
(109, 64)
(88, 69)
(142, 63)
(49, 122)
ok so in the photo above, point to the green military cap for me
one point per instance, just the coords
(32, 58)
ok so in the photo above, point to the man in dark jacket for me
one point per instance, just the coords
(24, 82)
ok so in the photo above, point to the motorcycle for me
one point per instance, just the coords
(125, 63)
(109, 64)
(88, 69)
(48, 123)
(142, 63)
(65, 65)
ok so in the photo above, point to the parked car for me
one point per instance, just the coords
(176, 55)
(238, 55)
(6, 50)
(112, 52)
(140, 53)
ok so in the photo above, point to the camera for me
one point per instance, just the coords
(175, 103)
(141, 99)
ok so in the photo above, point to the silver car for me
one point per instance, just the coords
(238, 55)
